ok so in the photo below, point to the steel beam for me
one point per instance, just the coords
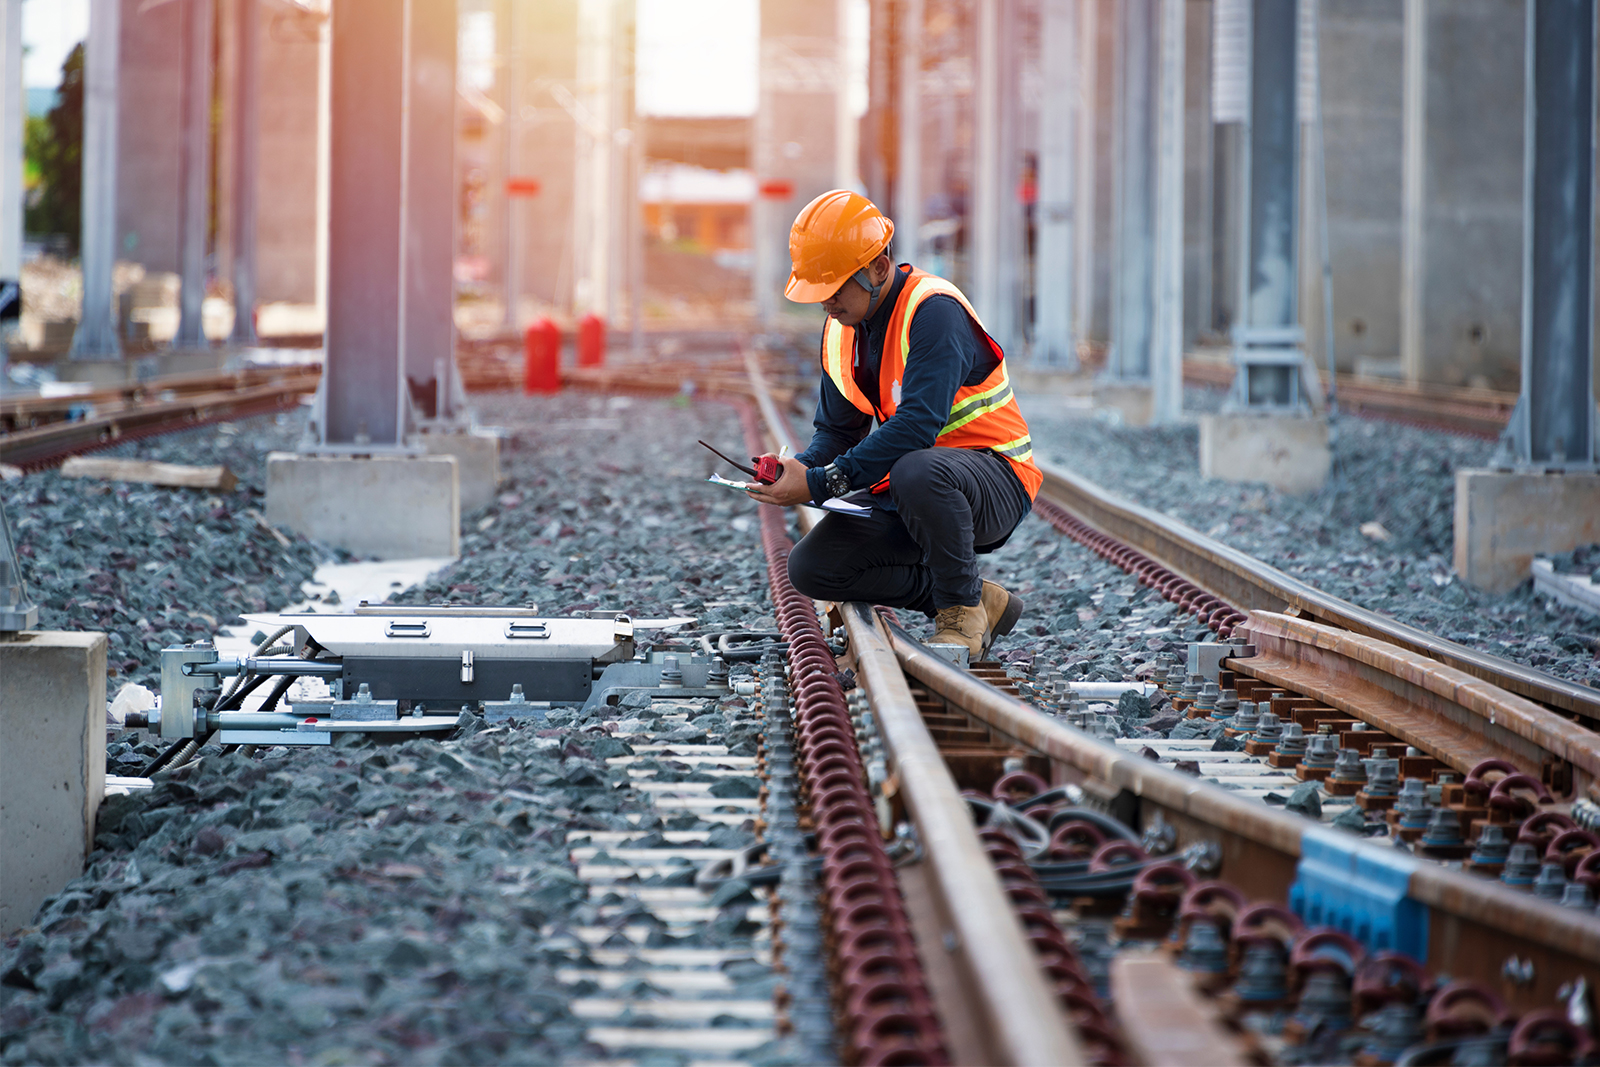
(1268, 343)
(1055, 212)
(96, 335)
(11, 112)
(391, 214)
(194, 171)
(1554, 427)
(1133, 197)
(246, 155)
(908, 173)
(1166, 335)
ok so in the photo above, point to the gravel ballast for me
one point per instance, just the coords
(1399, 477)
(405, 902)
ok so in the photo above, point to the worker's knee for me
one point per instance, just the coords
(806, 570)
(913, 473)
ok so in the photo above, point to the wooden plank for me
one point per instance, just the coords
(1167, 1023)
(149, 472)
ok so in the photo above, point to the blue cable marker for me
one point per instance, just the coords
(1346, 883)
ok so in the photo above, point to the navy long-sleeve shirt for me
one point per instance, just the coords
(946, 354)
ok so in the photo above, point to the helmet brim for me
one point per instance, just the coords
(803, 292)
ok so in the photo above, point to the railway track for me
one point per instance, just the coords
(48, 430)
(1076, 900)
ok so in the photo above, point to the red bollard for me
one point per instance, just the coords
(542, 353)
(591, 341)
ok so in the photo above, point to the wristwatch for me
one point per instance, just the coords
(838, 481)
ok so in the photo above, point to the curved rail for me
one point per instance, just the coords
(1252, 585)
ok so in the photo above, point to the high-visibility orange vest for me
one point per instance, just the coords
(982, 416)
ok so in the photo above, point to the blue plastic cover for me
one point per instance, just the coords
(1360, 888)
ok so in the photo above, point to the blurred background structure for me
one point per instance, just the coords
(1393, 190)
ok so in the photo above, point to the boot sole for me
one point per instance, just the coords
(1008, 619)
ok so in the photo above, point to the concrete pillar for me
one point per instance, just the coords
(796, 144)
(12, 108)
(996, 219)
(1268, 343)
(1054, 343)
(1230, 83)
(1461, 208)
(1361, 80)
(592, 218)
(1089, 229)
(246, 145)
(194, 175)
(52, 765)
(1133, 285)
(96, 335)
(508, 43)
(546, 38)
(1550, 501)
(392, 214)
(1166, 335)
(1198, 171)
(908, 171)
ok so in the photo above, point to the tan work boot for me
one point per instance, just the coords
(961, 624)
(1001, 610)
(977, 625)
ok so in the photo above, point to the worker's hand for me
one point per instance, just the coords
(787, 490)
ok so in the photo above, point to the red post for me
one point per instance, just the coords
(542, 352)
(591, 341)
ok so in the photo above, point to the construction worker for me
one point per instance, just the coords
(950, 464)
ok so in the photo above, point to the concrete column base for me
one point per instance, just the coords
(1288, 452)
(477, 463)
(1505, 518)
(52, 764)
(385, 507)
(1132, 399)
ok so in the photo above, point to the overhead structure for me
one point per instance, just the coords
(1268, 343)
(96, 335)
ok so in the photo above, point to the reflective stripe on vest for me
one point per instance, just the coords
(982, 416)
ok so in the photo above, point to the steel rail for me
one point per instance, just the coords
(34, 409)
(1457, 718)
(1263, 846)
(1017, 1014)
(1251, 585)
(45, 446)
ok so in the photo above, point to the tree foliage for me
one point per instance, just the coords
(54, 148)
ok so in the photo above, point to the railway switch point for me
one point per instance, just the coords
(1503, 519)
(52, 764)
(1287, 452)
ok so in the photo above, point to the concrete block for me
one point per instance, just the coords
(386, 507)
(1505, 518)
(477, 463)
(1288, 452)
(52, 764)
(1131, 399)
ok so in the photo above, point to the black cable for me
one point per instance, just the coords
(159, 761)
(237, 696)
(278, 690)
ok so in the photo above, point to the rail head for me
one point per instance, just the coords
(1000, 973)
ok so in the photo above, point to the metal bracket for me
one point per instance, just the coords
(17, 612)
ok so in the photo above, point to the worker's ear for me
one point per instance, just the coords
(882, 267)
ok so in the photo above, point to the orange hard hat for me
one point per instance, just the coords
(834, 236)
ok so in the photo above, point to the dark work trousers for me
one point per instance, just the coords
(922, 555)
